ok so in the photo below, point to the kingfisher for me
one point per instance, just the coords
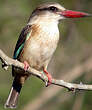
(37, 43)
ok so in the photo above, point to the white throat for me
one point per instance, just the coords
(47, 25)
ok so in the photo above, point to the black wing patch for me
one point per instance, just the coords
(21, 41)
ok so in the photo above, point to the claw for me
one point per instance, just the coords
(26, 65)
(49, 78)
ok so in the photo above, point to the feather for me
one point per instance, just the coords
(21, 41)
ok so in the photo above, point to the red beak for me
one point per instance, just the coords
(74, 14)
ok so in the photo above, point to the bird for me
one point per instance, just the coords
(36, 44)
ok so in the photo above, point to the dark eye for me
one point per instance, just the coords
(52, 8)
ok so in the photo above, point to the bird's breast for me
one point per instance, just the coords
(40, 47)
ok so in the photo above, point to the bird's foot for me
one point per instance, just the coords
(49, 78)
(26, 65)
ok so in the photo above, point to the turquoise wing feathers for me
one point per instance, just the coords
(20, 43)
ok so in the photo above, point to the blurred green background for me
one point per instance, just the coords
(75, 47)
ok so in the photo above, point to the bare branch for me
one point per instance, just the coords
(6, 61)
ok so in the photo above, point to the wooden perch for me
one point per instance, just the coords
(6, 61)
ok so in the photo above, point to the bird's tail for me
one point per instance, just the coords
(14, 94)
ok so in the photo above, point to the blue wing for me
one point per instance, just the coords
(21, 41)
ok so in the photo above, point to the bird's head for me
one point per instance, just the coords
(55, 12)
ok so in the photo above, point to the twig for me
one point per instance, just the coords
(69, 76)
(70, 86)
